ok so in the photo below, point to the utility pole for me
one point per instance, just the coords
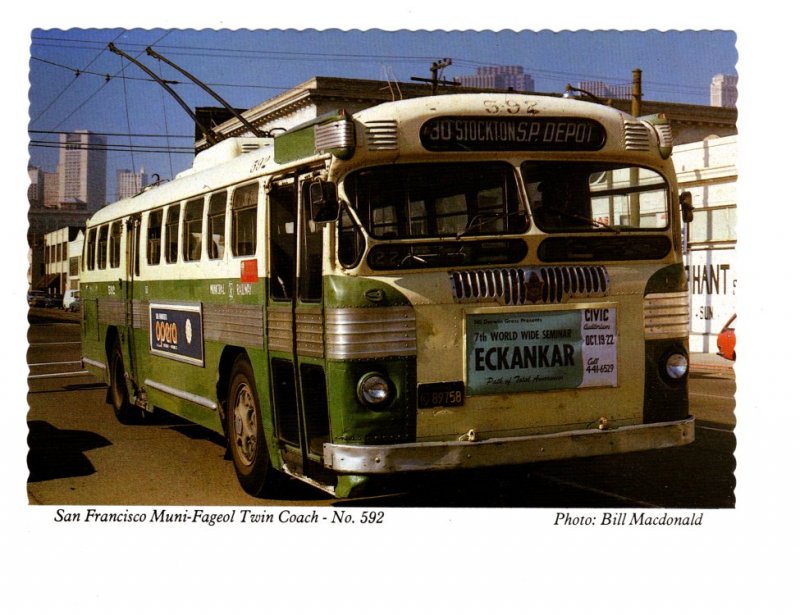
(636, 93)
(436, 67)
(636, 111)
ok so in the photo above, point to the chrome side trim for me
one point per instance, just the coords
(110, 311)
(365, 333)
(93, 363)
(140, 312)
(666, 315)
(451, 455)
(310, 341)
(241, 325)
(181, 394)
(280, 334)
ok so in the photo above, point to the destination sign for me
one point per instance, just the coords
(512, 353)
(176, 331)
(452, 133)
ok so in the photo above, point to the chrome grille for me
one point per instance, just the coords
(527, 285)
(664, 135)
(381, 135)
(637, 136)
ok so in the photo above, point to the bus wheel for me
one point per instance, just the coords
(246, 433)
(125, 412)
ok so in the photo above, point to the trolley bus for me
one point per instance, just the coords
(449, 282)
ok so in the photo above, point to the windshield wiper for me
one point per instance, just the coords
(580, 218)
(480, 220)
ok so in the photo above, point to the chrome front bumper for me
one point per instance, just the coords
(427, 456)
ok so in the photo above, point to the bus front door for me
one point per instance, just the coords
(295, 328)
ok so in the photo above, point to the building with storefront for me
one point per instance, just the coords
(62, 251)
(708, 170)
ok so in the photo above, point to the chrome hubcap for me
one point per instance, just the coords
(245, 424)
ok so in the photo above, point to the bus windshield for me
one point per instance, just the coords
(586, 196)
(437, 200)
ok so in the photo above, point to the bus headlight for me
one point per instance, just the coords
(374, 390)
(676, 365)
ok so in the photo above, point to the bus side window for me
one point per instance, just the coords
(311, 254)
(102, 247)
(171, 231)
(91, 247)
(216, 225)
(243, 227)
(154, 237)
(193, 230)
(115, 245)
(282, 210)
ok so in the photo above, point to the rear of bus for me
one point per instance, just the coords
(504, 285)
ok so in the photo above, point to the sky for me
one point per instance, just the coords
(76, 82)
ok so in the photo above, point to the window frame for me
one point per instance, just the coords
(244, 219)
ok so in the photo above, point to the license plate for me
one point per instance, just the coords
(436, 394)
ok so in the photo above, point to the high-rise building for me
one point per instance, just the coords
(623, 91)
(724, 90)
(36, 187)
(50, 189)
(130, 183)
(82, 171)
(499, 78)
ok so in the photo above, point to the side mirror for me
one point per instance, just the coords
(323, 201)
(687, 211)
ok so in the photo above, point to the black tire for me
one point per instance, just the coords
(248, 445)
(125, 412)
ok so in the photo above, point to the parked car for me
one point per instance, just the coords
(69, 297)
(726, 340)
(36, 298)
(53, 301)
(75, 306)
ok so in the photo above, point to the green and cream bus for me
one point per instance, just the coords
(441, 283)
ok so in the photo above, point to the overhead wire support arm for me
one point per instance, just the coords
(436, 68)
(256, 131)
(210, 136)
